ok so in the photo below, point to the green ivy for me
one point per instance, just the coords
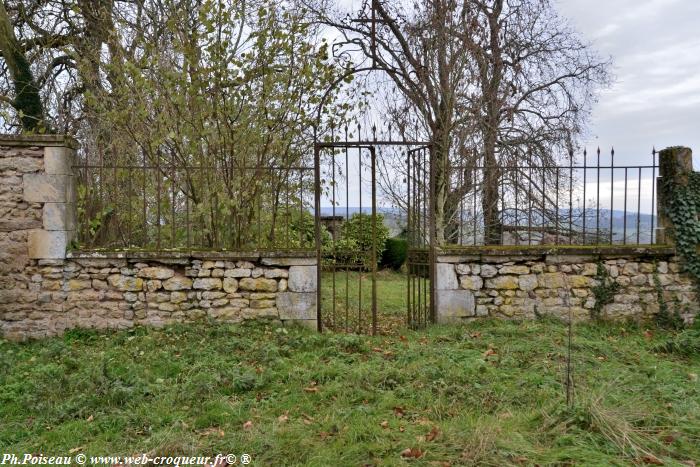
(604, 292)
(684, 211)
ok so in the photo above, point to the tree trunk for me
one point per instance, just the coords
(27, 100)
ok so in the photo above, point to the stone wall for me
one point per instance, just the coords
(103, 292)
(527, 285)
(45, 290)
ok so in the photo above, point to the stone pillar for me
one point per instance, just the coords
(675, 166)
(38, 170)
(452, 303)
(297, 304)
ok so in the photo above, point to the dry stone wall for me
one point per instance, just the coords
(44, 290)
(553, 284)
(113, 293)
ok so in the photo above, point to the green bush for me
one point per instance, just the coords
(354, 243)
(395, 252)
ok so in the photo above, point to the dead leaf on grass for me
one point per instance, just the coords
(414, 453)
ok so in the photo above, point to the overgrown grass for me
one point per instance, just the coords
(353, 301)
(488, 393)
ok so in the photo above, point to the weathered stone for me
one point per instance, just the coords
(579, 282)
(446, 277)
(590, 269)
(217, 272)
(471, 282)
(463, 269)
(502, 282)
(125, 283)
(296, 306)
(639, 279)
(58, 160)
(514, 270)
(230, 285)
(276, 273)
(43, 244)
(206, 283)
(301, 279)
(662, 267)
(75, 284)
(287, 262)
(178, 283)
(237, 272)
(258, 285)
(552, 280)
(488, 270)
(282, 286)
(213, 295)
(256, 272)
(527, 282)
(262, 303)
(45, 188)
(178, 297)
(452, 306)
(156, 273)
(58, 216)
(630, 269)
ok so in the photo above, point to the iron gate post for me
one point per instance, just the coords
(317, 229)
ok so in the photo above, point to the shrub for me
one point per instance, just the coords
(354, 245)
(395, 252)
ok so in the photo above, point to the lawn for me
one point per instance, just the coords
(487, 393)
(351, 311)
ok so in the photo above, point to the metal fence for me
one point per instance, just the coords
(593, 202)
(171, 206)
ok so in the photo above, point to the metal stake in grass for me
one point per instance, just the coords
(569, 369)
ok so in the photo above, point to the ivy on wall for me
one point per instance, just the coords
(684, 210)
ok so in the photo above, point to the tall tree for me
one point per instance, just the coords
(494, 82)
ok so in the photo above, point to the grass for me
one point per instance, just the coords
(354, 288)
(487, 393)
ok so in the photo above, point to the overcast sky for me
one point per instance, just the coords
(655, 100)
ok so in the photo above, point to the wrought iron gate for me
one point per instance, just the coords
(420, 261)
(347, 273)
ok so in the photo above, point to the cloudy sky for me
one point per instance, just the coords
(655, 100)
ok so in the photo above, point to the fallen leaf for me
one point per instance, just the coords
(648, 335)
(384, 424)
(90, 418)
(670, 438)
(213, 431)
(311, 389)
(403, 338)
(490, 352)
(432, 435)
(398, 411)
(693, 376)
(414, 453)
(475, 335)
(377, 349)
(248, 425)
(74, 450)
(402, 429)
(601, 358)
(307, 419)
(284, 418)
(653, 460)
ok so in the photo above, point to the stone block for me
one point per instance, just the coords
(207, 284)
(515, 270)
(45, 188)
(302, 279)
(59, 216)
(503, 282)
(178, 283)
(446, 277)
(276, 273)
(58, 160)
(237, 272)
(288, 261)
(230, 285)
(453, 306)
(257, 285)
(44, 244)
(156, 273)
(471, 282)
(296, 306)
(126, 283)
(527, 282)
(488, 270)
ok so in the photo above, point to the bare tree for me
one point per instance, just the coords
(494, 83)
